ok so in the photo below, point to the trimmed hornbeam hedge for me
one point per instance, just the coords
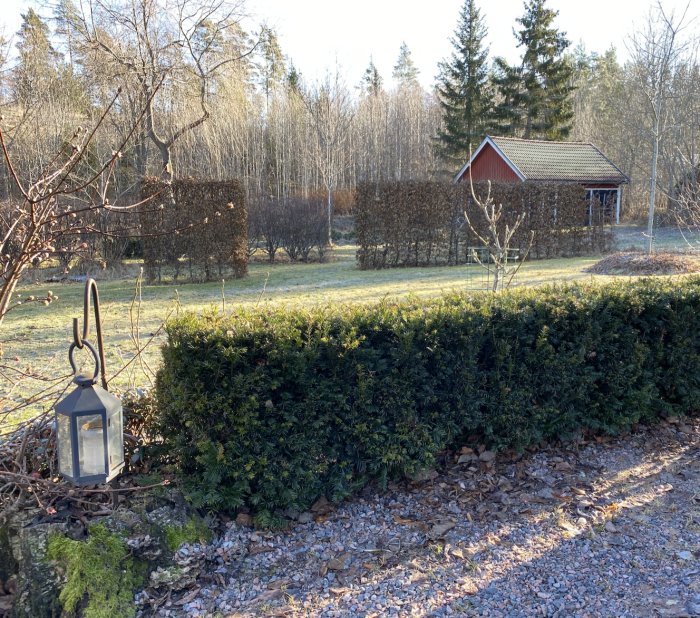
(205, 221)
(411, 223)
(272, 409)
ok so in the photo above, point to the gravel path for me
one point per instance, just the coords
(608, 528)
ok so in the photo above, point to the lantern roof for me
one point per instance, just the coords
(87, 398)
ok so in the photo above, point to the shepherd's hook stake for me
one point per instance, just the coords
(78, 340)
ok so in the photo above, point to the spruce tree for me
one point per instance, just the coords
(372, 81)
(463, 89)
(507, 116)
(536, 97)
(294, 79)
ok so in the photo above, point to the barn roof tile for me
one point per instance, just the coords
(559, 161)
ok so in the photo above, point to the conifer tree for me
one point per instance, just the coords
(271, 67)
(372, 81)
(36, 71)
(294, 79)
(507, 116)
(463, 89)
(65, 17)
(536, 97)
(371, 123)
(405, 71)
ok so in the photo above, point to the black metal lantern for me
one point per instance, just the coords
(89, 422)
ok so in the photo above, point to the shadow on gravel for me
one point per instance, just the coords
(614, 531)
(608, 528)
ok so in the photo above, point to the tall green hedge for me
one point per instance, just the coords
(271, 409)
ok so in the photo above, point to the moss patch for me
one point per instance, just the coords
(101, 576)
(8, 565)
(193, 531)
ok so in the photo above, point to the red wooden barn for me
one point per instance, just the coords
(508, 159)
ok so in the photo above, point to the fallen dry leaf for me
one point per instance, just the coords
(188, 597)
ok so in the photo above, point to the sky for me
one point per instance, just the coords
(317, 35)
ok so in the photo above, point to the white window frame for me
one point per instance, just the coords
(590, 203)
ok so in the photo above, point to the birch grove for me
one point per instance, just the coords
(232, 105)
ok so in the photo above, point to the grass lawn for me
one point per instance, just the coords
(35, 338)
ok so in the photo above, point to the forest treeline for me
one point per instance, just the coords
(217, 102)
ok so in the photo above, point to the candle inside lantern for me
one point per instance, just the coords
(91, 446)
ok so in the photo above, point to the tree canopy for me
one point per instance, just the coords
(536, 96)
(463, 88)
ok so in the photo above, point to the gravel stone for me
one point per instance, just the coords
(602, 528)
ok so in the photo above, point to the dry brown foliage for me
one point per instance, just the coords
(423, 223)
(204, 223)
(634, 263)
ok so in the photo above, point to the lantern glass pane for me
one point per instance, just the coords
(91, 450)
(65, 448)
(116, 439)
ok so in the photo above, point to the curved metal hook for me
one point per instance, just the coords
(88, 345)
(80, 341)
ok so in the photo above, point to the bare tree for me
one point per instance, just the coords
(177, 48)
(304, 227)
(656, 51)
(496, 239)
(331, 111)
(54, 210)
(686, 204)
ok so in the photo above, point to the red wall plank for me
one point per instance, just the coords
(489, 165)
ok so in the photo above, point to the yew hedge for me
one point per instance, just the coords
(274, 408)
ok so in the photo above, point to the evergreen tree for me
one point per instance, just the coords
(65, 16)
(507, 116)
(294, 80)
(36, 73)
(372, 81)
(463, 88)
(405, 71)
(536, 97)
(271, 67)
